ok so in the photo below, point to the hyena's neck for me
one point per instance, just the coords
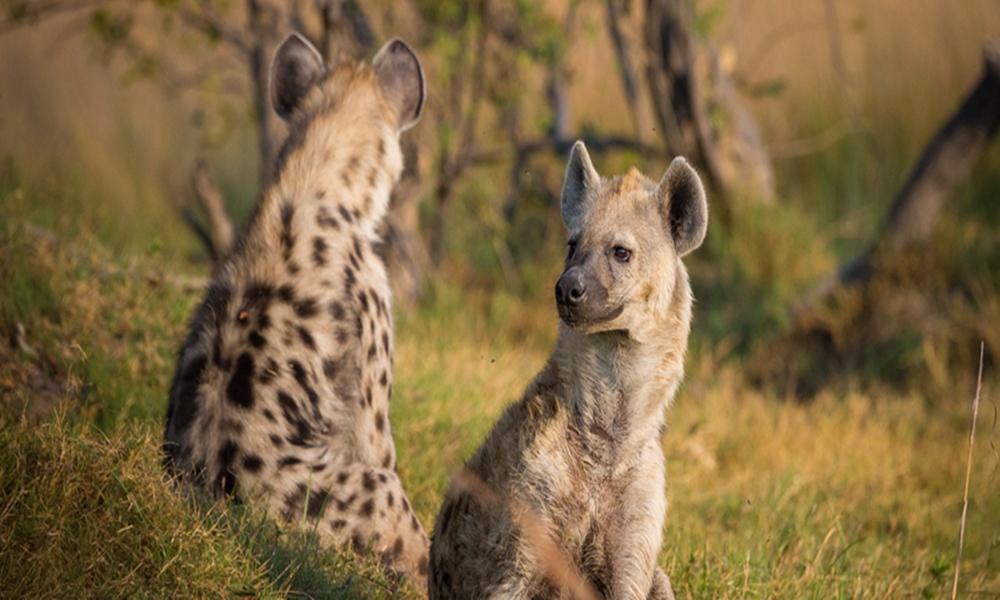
(342, 173)
(619, 387)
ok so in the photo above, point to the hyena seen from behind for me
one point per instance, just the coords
(281, 394)
(580, 453)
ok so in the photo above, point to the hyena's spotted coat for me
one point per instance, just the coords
(282, 388)
(580, 453)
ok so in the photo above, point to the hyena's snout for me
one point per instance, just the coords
(581, 298)
(571, 289)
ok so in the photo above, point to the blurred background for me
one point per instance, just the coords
(850, 277)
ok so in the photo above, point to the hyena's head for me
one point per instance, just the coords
(391, 90)
(627, 235)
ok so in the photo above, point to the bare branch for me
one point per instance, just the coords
(625, 67)
(220, 228)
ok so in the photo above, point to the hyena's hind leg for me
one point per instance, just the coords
(365, 508)
(661, 589)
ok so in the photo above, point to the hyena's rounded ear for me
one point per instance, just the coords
(578, 186)
(296, 67)
(683, 206)
(402, 79)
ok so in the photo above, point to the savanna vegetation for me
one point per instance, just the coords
(818, 446)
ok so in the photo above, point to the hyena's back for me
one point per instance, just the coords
(281, 394)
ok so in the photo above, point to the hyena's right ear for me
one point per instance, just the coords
(580, 183)
(402, 79)
(296, 67)
(683, 206)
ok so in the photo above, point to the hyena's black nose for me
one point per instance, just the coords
(570, 288)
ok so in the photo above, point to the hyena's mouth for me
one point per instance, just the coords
(579, 318)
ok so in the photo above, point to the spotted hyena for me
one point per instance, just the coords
(282, 389)
(578, 459)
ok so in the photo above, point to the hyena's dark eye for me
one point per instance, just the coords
(572, 249)
(622, 254)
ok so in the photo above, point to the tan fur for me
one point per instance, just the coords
(582, 447)
(283, 386)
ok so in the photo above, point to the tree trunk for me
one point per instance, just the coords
(732, 160)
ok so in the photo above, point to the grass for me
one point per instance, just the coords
(855, 494)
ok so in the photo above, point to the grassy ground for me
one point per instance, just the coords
(856, 494)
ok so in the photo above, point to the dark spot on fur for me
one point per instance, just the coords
(345, 215)
(379, 421)
(357, 541)
(240, 388)
(325, 220)
(293, 267)
(342, 477)
(422, 565)
(385, 342)
(269, 415)
(184, 396)
(367, 508)
(306, 337)
(371, 351)
(387, 460)
(268, 373)
(286, 294)
(257, 340)
(337, 311)
(252, 463)
(363, 299)
(338, 524)
(343, 505)
(317, 502)
(329, 368)
(276, 440)
(390, 500)
(319, 251)
(383, 380)
(306, 308)
(288, 461)
(349, 279)
(368, 481)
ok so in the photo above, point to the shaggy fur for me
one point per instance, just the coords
(581, 450)
(282, 389)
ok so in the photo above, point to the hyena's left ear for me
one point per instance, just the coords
(402, 79)
(683, 206)
(296, 67)
(579, 184)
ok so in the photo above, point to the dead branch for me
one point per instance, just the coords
(626, 68)
(947, 160)
(220, 227)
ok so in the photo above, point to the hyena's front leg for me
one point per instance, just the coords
(637, 529)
